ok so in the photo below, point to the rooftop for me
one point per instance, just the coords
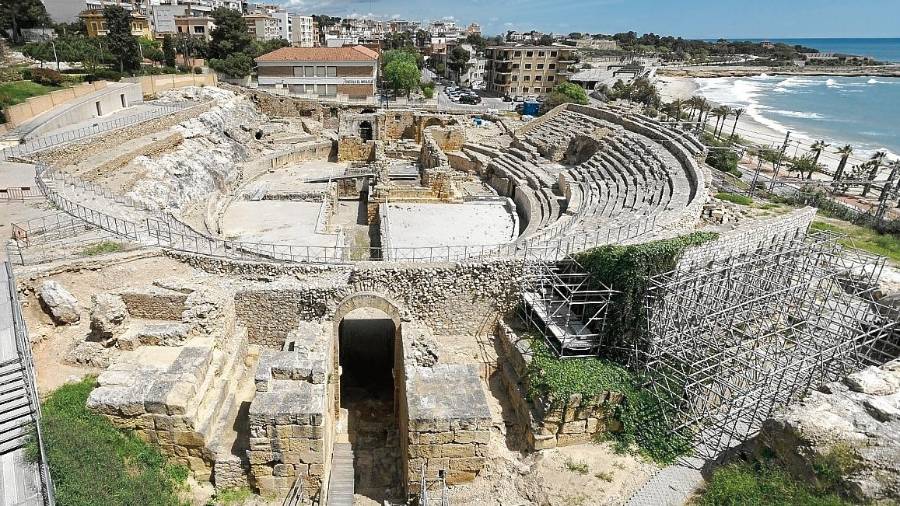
(354, 53)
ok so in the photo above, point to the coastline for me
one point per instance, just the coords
(752, 130)
(744, 71)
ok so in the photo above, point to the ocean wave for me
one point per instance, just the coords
(799, 114)
(831, 83)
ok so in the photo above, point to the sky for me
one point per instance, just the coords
(686, 18)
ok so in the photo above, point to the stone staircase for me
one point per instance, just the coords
(16, 417)
(341, 483)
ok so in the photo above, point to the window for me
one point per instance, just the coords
(320, 71)
(515, 65)
(309, 71)
(552, 66)
(552, 53)
(527, 66)
(527, 78)
(331, 71)
(548, 90)
(515, 78)
(550, 78)
(540, 53)
(330, 90)
(529, 54)
(517, 54)
(298, 71)
(199, 29)
(540, 66)
(537, 78)
(524, 90)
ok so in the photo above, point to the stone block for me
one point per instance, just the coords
(458, 450)
(574, 427)
(572, 439)
(316, 469)
(458, 477)
(542, 442)
(427, 451)
(283, 470)
(468, 464)
(189, 438)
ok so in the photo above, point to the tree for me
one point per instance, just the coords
(545, 40)
(122, 44)
(151, 50)
(874, 164)
(737, 115)
(18, 14)
(721, 113)
(401, 74)
(565, 93)
(237, 65)
(845, 153)
(230, 35)
(168, 49)
(458, 61)
(817, 148)
(477, 41)
(806, 164)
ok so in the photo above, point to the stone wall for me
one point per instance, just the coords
(288, 107)
(354, 149)
(550, 423)
(447, 424)
(751, 236)
(453, 298)
(290, 421)
(154, 304)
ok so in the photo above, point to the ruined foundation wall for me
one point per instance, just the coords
(550, 423)
(354, 149)
(453, 299)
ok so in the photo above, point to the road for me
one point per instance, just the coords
(487, 103)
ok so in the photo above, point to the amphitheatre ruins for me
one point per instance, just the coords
(320, 302)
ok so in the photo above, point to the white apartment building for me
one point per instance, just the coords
(301, 33)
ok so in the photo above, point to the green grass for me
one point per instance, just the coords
(20, 91)
(101, 248)
(762, 483)
(866, 239)
(91, 462)
(643, 429)
(230, 497)
(735, 198)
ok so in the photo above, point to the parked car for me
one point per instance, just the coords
(507, 98)
(470, 99)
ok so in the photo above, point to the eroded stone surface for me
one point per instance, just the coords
(862, 416)
(59, 303)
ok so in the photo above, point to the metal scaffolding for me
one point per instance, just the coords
(730, 342)
(562, 303)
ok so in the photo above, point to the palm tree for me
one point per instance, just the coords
(695, 103)
(874, 165)
(737, 116)
(678, 106)
(721, 113)
(817, 148)
(845, 153)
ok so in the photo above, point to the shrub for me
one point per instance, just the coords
(91, 462)
(725, 160)
(198, 70)
(47, 77)
(104, 75)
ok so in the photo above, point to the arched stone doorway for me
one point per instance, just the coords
(368, 362)
(365, 130)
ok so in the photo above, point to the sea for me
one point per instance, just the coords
(861, 111)
(884, 50)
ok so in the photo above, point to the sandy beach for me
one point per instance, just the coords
(752, 131)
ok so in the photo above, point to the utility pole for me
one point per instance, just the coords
(787, 139)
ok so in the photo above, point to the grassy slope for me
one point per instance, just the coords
(863, 238)
(93, 463)
(17, 92)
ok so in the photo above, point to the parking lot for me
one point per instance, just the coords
(445, 99)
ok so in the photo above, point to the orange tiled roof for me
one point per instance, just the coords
(355, 53)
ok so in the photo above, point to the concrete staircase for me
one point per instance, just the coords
(16, 418)
(340, 485)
